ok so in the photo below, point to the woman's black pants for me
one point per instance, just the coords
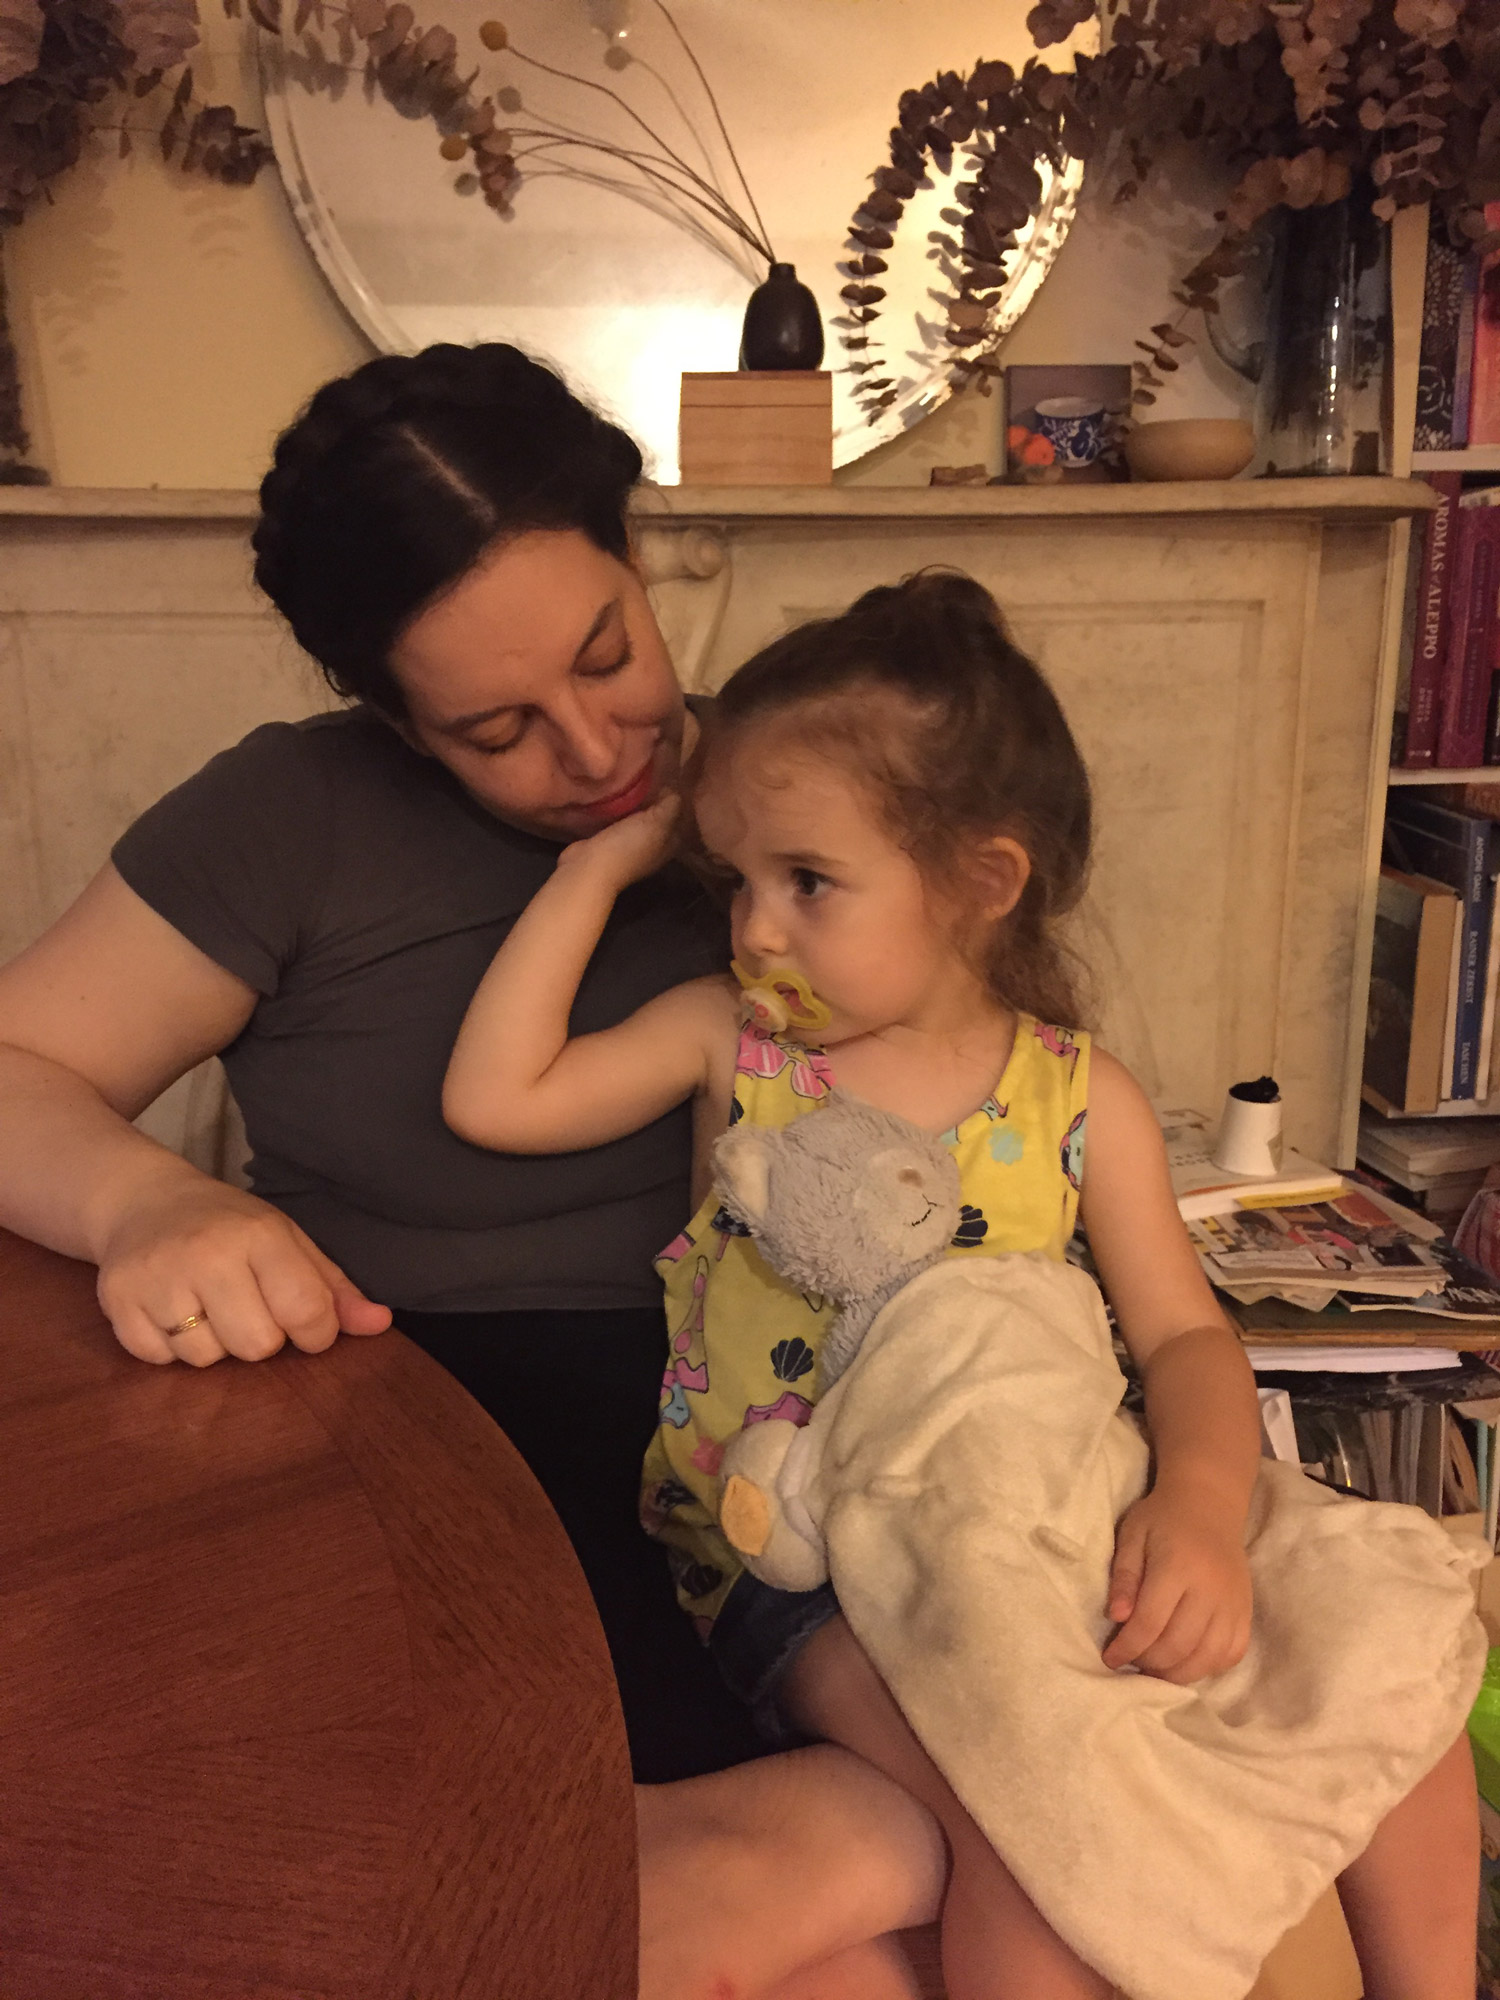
(577, 1395)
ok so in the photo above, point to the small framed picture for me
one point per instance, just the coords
(1065, 423)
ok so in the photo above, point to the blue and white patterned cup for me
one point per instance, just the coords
(1073, 426)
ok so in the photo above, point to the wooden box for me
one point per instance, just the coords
(757, 427)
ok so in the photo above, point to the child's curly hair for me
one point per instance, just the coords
(920, 689)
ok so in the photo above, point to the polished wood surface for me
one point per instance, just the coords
(302, 1695)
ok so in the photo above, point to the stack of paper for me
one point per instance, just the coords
(1202, 1188)
(1316, 1250)
(1280, 1359)
(1306, 1237)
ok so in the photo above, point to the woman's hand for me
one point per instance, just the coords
(1179, 1589)
(628, 849)
(192, 1248)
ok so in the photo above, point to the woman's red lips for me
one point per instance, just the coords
(619, 805)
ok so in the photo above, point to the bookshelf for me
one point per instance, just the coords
(1488, 1107)
(1481, 774)
(1474, 458)
(1408, 275)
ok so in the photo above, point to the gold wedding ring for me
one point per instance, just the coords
(186, 1325)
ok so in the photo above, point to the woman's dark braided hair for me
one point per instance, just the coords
(921, 691)
(395, 480)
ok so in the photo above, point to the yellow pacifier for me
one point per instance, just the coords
(778, 999)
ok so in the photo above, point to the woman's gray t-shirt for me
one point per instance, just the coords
(362, 892)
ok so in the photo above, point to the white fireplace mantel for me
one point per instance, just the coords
(1363, 500)
(1223, 650)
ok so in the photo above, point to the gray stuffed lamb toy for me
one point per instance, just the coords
(960, 1478)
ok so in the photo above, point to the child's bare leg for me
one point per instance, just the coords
(770, 1881)
(879, 1970)
(1411, 1899)
(996, 1944)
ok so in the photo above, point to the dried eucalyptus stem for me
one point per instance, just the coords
(1298, 98)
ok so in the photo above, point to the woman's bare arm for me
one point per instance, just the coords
(97, 1017)
(105, 1010)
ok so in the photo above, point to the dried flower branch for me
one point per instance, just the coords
(665, 168)
(1299, 97)
(416, 68)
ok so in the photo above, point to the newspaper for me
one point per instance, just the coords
(1350, 1240)
(1379, 1254)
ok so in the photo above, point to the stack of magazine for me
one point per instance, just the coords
(1306, 1237)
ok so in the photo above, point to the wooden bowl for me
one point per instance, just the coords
(1190, 448)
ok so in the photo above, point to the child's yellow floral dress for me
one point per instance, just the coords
(743, 1344)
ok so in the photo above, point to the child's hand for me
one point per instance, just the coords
(629, 848)
(1179, 1590)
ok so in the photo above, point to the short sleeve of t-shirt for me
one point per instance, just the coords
(235, 857)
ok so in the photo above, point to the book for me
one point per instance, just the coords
(1429, 1145)
(1450, 1012)
(1484, 384)
(1413, 1189)
(1484, 1079)
(1469, 648)
(1463, 379)
(1475, 797)
(1202, 1188)
(1442, 1198)
(1416, 922)
(1489, 496)
(1437, 368)
(1429, 639)
(1458, 849)
(1395, 1325)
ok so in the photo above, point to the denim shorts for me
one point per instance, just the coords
(755, 1638)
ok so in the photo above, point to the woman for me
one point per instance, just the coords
(445, 535)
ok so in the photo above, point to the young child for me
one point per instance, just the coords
(899, 808)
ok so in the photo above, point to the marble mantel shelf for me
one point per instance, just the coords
(1352, 500)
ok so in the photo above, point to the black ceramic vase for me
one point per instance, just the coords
(783, 328)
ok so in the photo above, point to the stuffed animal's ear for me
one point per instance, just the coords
(742, 1172)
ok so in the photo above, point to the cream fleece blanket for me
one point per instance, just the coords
(967, 1472)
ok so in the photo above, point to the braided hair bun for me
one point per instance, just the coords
(394, 481)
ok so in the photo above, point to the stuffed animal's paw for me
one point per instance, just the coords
(745, 1515)
(759, 1501)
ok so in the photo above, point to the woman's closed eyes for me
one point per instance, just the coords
(603, 672)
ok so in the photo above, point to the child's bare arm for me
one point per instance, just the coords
(516, 1082)
(1180, 1586)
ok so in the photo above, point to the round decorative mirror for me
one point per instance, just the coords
(611, 254)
